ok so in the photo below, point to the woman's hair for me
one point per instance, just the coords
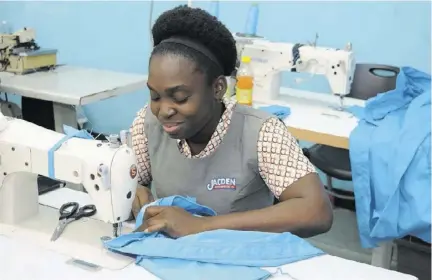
(195, 34)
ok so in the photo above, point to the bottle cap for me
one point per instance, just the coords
(245, 59)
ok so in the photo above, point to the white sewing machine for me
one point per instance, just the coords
(269, 59)
(106, 170)
(243, 40)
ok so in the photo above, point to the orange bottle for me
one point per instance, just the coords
(244, 86)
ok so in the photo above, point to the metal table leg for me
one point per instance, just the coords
(64, 114)
(382, 255)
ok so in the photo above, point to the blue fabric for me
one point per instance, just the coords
(211, 255)
(390, 161)
(70, 132)
(279, 111)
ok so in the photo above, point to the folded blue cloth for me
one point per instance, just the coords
(279, 111)
(390, 152)
(211, 255)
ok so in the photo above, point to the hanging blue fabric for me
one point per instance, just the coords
(212, 255)
(70, 132)
(390, 160)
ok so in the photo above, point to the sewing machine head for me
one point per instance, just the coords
(269, 59)
(242, 40)
(107, 170)
(20, 54)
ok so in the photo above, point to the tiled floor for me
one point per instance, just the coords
(342, 240)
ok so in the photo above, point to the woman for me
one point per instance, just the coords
(235, 159)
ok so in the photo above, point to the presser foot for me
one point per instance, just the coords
(337, 112)
(117, 229)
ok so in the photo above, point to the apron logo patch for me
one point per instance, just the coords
(222, 184)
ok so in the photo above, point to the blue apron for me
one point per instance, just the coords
(390, 162)
(218, 254)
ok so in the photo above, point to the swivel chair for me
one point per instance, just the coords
(369, 80)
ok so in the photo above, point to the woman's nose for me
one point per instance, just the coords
(166, 110)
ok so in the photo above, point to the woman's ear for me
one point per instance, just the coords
(220, 87)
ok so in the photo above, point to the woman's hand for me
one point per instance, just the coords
(171, 220)
(143, 196)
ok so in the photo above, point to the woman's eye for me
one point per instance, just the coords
(154, 96)
(180, 97)
(181, 100)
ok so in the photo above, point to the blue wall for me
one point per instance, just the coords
(115, 35)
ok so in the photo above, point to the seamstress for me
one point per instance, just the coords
(190, 141)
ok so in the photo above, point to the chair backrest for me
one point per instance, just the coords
(372, 79)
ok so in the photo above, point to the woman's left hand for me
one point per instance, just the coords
(171, 220)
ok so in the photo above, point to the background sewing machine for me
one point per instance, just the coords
(242, 40)
(270, 59)
(107, 170)
(20, 54)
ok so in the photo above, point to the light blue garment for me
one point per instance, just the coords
(390, 162)
(211, 255)
(70, 132)
(281, 112)
(252, 20)
(214, 8)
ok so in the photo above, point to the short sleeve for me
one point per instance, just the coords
(140, 147)
(281, 161)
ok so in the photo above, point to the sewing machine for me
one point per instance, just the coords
(107, 170)
(242, 40)
(269, 60)
(20, 54)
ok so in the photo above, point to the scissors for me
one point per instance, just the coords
(67, 216)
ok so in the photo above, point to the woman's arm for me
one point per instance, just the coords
(140, 147)
(304, 207)
(304, 210)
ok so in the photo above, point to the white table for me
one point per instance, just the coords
(22, 261)
(69, 86)
(312, 119)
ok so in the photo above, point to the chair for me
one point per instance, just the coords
(369, 80)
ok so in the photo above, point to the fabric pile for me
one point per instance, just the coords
(218, 254)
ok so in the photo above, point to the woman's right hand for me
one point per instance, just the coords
(143, 196)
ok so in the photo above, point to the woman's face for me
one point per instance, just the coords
(181, 98)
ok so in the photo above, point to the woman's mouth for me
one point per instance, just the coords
(171, 128)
